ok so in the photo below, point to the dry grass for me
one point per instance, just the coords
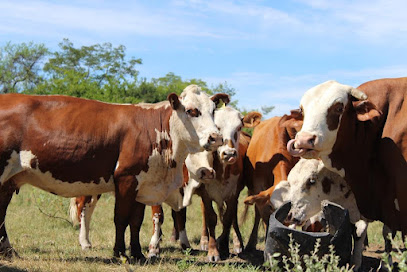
(48, 243)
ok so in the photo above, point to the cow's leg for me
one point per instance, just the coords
(125, 206)
(211, 220)
(251, 244)
(86, 215)
(180, 220)
(359, 243)
(205, 234)
(227, 220)
(158, 219)
(237, 237)
(6, 193)
(175, 230)
(136, 220)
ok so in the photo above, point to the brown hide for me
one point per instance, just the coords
(77, 139)
(373, 153)
(268, 159)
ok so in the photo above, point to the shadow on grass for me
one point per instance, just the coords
(4, 268)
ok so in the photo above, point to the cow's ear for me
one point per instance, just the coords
(366, 110)
(297, 114)
(220, 96)
(174, 100)
(252, 119)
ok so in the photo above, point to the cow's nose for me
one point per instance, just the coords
(305, 140)
(229, 155)
(206, 173)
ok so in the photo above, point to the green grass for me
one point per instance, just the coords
(39, 231)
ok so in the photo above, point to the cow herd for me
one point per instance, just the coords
(345, 144)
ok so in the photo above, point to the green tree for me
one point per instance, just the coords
(20, 66)
(98, 72)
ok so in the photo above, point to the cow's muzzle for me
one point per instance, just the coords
(303, 144)
(229, 156)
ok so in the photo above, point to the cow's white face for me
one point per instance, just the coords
(195, 121)
(229, 122)
(310, 184)
(322, 107)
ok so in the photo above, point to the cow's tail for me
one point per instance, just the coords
(73, 212)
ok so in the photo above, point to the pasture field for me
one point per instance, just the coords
(38, 228)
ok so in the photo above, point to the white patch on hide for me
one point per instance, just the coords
(155, 239)
(156, 185)
(19, 168)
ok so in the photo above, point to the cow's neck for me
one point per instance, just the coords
(352, 157)
(179, 138)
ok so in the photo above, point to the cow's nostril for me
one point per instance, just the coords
(311, 141)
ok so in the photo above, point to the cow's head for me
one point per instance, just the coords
(194, 121)
(311, 183)
(323, 107)
(200, 166)
(229, 122)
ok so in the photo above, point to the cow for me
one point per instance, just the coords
(308, 184)
(72, 147)
(360, 134)
(198, 168)
(267, 163)
(214, 176)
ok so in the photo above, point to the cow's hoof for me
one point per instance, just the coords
(213, 258)
(86, 247)
(185, 246)
(152, 255)
(153, 252)
(9, 253)
(138, 259)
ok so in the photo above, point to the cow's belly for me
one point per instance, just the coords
(46, 182)
(19, 170)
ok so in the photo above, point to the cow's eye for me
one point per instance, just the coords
(193, 112)
(310, 182)
(339, 109)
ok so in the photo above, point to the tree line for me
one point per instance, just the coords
(99, 71)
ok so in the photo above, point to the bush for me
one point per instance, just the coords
(296, 263)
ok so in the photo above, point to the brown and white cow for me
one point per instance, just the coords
(225, 187)
(225, 168)
(73, 147)
(268, 162)
(360, 133)
(198, 168)
(308, 184)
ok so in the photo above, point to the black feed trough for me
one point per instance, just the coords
(337, 220)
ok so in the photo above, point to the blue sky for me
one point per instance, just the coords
(271, 51)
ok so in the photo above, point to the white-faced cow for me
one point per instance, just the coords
(220, 172)
(308, 184)
(198, 168)
(360, 133)
(73, 147)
